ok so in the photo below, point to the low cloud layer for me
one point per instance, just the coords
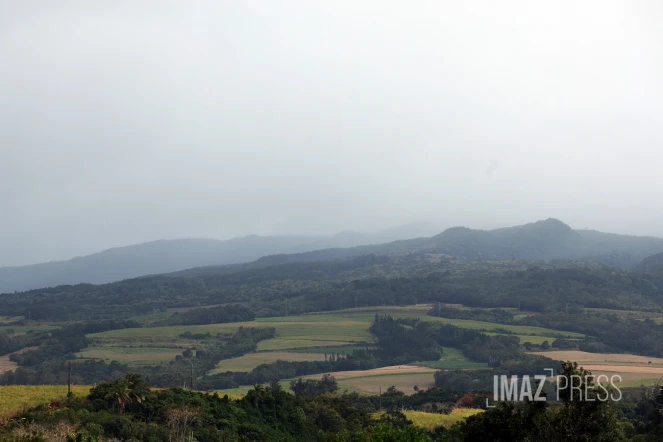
(122, 122)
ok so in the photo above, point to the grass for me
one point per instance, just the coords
(538, 340)
(367, 316)
(601, 358)
(292, 332)
(297, 344)
(344, 350)
(376, 380)
(638, 382)
(343, 326)
(15, 398)
(404, 382)
(131, 355)
(431, 421)
(328, 331)
(27, 328)
(240, 392)
(452, 358)
(249, 361)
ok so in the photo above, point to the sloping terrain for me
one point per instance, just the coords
(165, 256)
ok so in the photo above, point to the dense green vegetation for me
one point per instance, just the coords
(362, 281)
(486, 314)
(128, 409)
(211, 315)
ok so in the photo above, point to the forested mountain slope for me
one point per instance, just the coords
(540, 241)
(166, 256)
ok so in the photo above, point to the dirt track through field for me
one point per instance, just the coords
(7, 365)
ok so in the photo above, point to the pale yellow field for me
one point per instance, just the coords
(376, 384)
(15, 398)
(403, 377)
(393, 369)
(634, 370)
(582, 357)
(431, 421)
(617, 369)
(249, 361)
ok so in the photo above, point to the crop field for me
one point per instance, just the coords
(431, 421)
(382, 371)
(582, 357)
(344, 349)
(633, 369)
(636, 381)
(299, 333)
(249, 361)
(403, 377)
(532, 339)
(15, 398)
(294, 332)
(452, 358)
(131, 355)
(626, 369)
(330, 329)
(404, 382)
(27, 328)
(297, 344)
(367, 316)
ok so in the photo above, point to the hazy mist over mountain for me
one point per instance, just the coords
(125, 122)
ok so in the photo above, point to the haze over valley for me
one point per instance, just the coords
(331, 221)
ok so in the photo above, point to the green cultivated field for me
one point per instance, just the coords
(298, 344)
(250, 361)
(452, 358)
(313, 333)
(27, 328)
(529, 338)
(431, 421)
(344, 350)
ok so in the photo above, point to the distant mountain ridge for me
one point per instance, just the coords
(651, 264)
(545, 240)
(166, 256)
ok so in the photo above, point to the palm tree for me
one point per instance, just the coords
(138, 388)
(119, 394)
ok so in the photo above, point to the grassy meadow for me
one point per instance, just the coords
(133, 356)
(251, 360)
(15, 398)
(431, 421)
(452, 358)
(311, 334)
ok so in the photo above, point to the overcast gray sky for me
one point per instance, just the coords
(128, 121)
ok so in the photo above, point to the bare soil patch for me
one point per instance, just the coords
(7, 365)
